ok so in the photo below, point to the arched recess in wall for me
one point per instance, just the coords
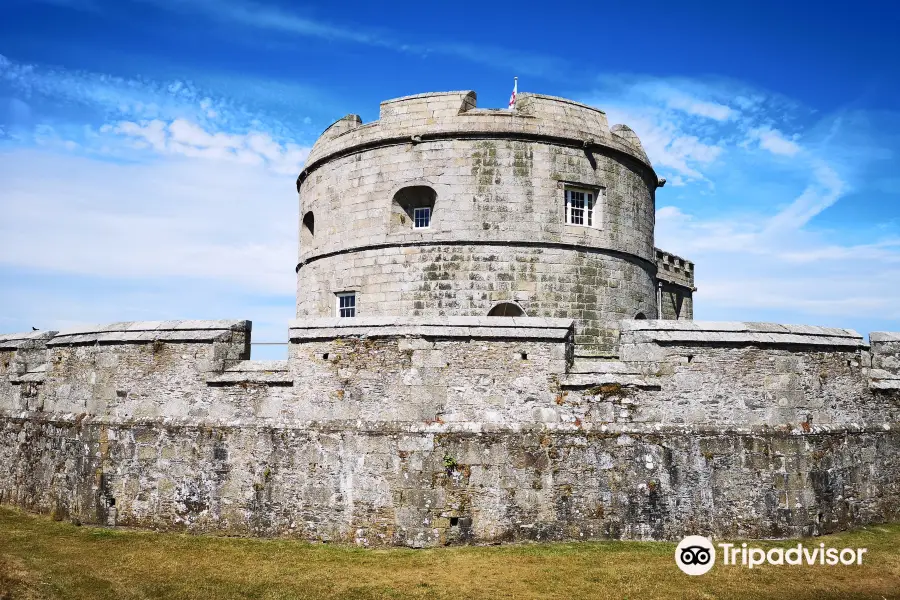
(307, 230)
(507, 309)
(640, 316)
(413, 207)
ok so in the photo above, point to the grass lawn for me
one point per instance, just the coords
(40, 558)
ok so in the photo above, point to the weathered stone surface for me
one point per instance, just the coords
(423, 438)
(498, 230)
(422, 421)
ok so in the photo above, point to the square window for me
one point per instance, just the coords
(346, 304)
(580, 208)
(422, 218)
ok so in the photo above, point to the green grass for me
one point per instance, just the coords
(40, 558)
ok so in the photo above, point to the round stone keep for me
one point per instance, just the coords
(442, 208)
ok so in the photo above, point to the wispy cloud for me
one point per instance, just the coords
(162, 184)
(774, 141)
(183, 137)
(753, 176)
(169, 217)
(73, 95)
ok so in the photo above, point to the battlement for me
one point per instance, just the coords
(674, 270)
(449, 115)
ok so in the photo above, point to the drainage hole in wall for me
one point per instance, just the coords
(523, 355)
(325, 356)
(454, 521)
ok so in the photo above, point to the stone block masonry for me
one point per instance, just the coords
(503, 228)
(423, 431)
(464, 368)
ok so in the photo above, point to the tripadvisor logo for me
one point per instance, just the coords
(695, 555)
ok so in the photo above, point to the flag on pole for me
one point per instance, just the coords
(512, 98)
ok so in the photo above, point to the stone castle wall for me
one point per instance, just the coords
(431, 430)
(498, 230)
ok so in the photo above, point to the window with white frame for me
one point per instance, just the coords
(422, 217)
(580, 208)
(346, 304)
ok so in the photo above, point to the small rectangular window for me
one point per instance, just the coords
(580, 207)
(346, 304)
(422, 218)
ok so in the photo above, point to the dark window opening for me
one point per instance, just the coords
(308, 230)
(506, 309)
(413, 208)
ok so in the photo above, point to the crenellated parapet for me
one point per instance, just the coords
(454, 115)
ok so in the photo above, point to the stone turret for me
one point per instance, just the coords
(442, 208)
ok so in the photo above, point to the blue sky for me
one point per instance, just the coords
(148, 148)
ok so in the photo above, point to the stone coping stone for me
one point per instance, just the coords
(266, 378)
(734, 327)
(258, 366)
(736, 332)
(442, 327)
(12, 341)
(600, 366)
(32, 377)
(149, 331)
(574, 380)
(884, 384)
(884, 336)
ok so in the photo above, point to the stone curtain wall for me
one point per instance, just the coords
(440, 430)
(499, 177)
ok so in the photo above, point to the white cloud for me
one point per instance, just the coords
(750, 265)
(693, 106)
(824, 190)
(774, 141)
(172, 217)
(185, 138)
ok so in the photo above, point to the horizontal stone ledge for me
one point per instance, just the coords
(258, 366)
(14, 341)
(522, 328)
(150, 331)
(712, 327)
(400, 428)
(262, 378)
(736, 333)
(592, 366)
(30, 377)
(264, 372)
(884, 336)
(589, 380)
(885, 384)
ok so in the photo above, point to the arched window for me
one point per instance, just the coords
(308, 231)
(506, 309)
(640, 316)
(412, 208)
